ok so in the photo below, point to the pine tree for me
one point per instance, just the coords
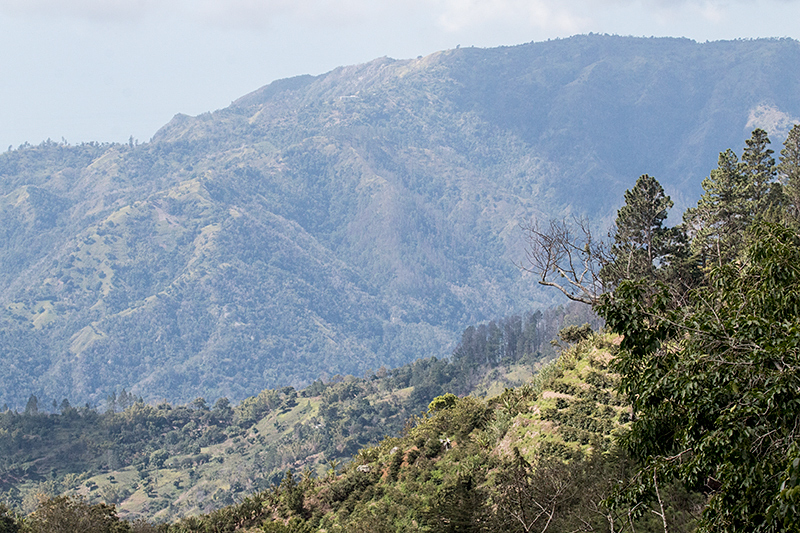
(641, 242)
(760, 171)
(789, 171)
(759, 163)
(722, 213)
(32, 407)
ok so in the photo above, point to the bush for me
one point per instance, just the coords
(573, 334)
(71, 514)
(8, 522)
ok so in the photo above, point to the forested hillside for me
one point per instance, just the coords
(681, 416)
(164, 461)
(339, 223)
(537, 456)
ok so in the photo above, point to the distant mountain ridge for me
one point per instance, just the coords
(336, 223)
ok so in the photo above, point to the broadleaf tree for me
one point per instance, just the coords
(715, 386)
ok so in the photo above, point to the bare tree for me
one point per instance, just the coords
(565, 256)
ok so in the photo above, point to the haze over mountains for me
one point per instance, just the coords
(360, 218)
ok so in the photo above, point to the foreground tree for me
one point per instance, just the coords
(715, 386)
(759, 170)
(566, 256)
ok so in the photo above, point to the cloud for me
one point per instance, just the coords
(93, 10)
(558, 16)
(457, 15)
(222, 13)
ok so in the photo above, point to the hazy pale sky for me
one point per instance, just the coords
(105, 70)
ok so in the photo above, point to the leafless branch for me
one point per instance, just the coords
(565, 256)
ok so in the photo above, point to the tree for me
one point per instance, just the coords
(292, 494)
(566, 257)
(722, 213)
(534, 498)
(643, 247)
(789, 170)
(32, 407)
(715, 385)
(446, 401)
(759, 170)
(111, 402)
(67, 514)
(8, 522)
(456, 505)
(65, 406)
(641, 242)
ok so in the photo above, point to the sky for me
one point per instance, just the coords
(109, 70)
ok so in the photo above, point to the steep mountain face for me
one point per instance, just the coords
(355, 219)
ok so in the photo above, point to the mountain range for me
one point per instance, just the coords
(362, 218)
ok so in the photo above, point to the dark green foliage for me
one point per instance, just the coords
(8, 522)
(572, 334)
(457, 505)
(736, 194)
(758, 167)
(722, 213)
(292, 495)
(65, 514)
(506, 340)
(789, 171)
(715, 384)
(643, 247)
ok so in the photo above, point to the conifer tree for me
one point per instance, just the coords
(722, 213)
(789, 171)
(641, 241)
(760, 171)
(32, 407)
(759, 165)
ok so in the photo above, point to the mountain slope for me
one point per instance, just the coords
(539, 456)
(350, 220)
(169, 461)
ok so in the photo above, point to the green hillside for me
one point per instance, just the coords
(454, 463)
(167, 461)
(542, 453)
(681, 417)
